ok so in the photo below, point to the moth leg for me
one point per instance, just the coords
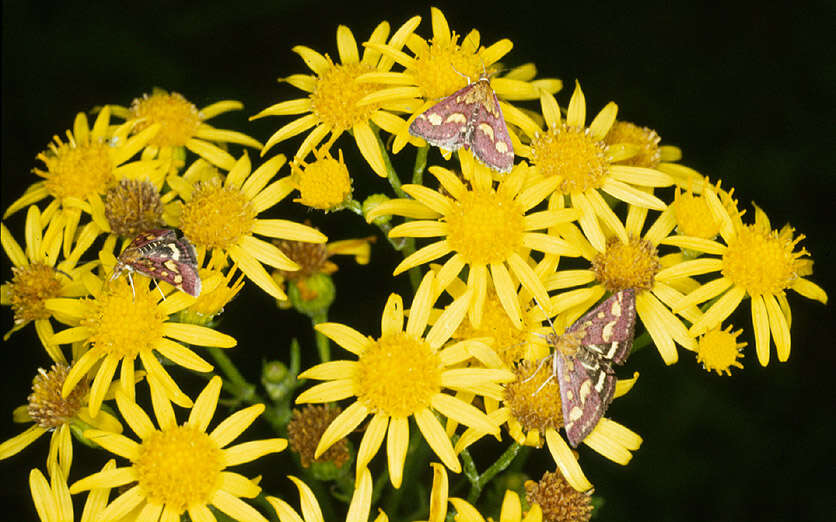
(131, 281)
(160, 289)
(539, 366)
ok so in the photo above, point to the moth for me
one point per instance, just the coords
(469, 118)
(583, 358)
(161, 255)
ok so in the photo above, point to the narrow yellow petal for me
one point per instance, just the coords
(463, 413)
(705, 292)
(369, 147)
(419, 229)
(391, 321)
(576, 113)
(550, 110)
(361, 499)
(437, 439)
(602, 123)
(179, 354)
(14, 445)
(397, 442)
(236, 508)
(341, 426)
(211, 153)
(256, 273)
(104, 479)
(371, 441)
(238, 485)
(423, 255)
(422, 303)
(632, 195)
(345, 336)
(297, 126)
(760, 322)
(205, 404)
(267, 253)
(331, 370)
(317, 63)
(566, 461)
(699, 244)
(231, 427)
(718, 311)
(507, 293)
(448, 322)
(327, 392)
(114, 443)
(249, 451)
(432, 199)
(284, 229)
(199, 335)
(310, 506)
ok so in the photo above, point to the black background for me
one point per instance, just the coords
(746, 91)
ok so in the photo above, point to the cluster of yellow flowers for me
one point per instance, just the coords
(570, 223)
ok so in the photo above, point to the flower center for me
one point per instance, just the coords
(336, 94)
(647, 140)
(398, 375)
(485, 227)
(306, 428)
(558, 499)
(572, 154)
(123, 324)
(693, 216)
(323, 184)
(216, 216)
(46, 405)
(178, 467)
(718, 350)
(761, 261)
(445, 69)
(178, 118)
(627, 265)
(510, 340)
(133, 207)
(535, 410)
(30, 287)
(77, 170)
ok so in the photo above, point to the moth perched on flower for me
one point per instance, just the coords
(469, 118)
(160, 254)
(582, 361)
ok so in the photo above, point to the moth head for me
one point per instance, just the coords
(568, 343)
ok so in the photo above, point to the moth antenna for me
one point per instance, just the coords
(549, 319)
(64, 273)
(466, 77)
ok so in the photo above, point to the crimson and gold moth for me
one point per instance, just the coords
(469, 118)
(583, 359)
(161, 255)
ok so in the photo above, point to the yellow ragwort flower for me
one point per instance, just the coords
(630, 259)
(221, 217)
(182, 124)
(122, 323)
(486, 229)
(719, 351)
(441, 66)
(358, 509)
(578, 156)
(400, 375)
(331, 105)
(511, 510)
(36, 278)
(48, 410)
(324, 183)
(755, 261)
(179, 468)
(80, 171)
(52, 499)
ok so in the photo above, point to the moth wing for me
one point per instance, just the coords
(182, 276)
(489, 139)
(581, 404)
(445, 123)
(610, 326)
(151, 236)
(187, 251)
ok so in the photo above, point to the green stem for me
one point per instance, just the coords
(497, 467)
(641, 341)
(323, 345)
(391, 174)
(420, 165)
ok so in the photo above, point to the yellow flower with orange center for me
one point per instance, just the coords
(334, 92)
(121, 324)
(754, 261)
(221, 217)
(487, 229)
(442, 65)
(77, 173)
(180, 468)
(399, 375)
(183, 125)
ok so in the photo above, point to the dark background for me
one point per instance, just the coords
(746, 92)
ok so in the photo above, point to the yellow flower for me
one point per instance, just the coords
(331, 106)
(211, 301)
(35, 278)
(558, 499)
(122, 323)
(182, 124)
(755, 261)
(630, 259)
(400, 375)
(358, 509)
(441, 66)
(511, 510)
(486, 229)
(50, 411)
(80, 171)
(323, 184)
(52, 499)
(180, 468)
(579, 157)
(718, 350)
(221, 217)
